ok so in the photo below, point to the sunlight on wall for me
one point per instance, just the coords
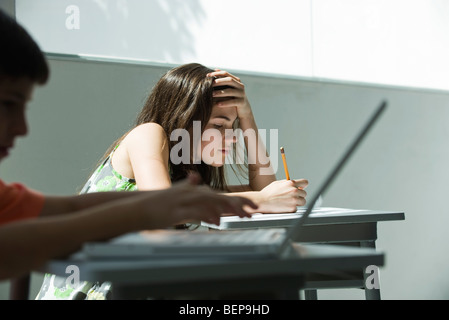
(392, 42)
(399, 42)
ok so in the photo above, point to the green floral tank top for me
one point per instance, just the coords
(54, 287)
(105, 178)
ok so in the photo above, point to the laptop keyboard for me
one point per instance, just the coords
(181, 243)
(188, 238)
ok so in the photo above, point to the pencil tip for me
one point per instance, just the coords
(282, 149)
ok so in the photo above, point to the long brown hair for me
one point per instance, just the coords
(181, 96)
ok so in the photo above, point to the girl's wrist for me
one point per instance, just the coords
(246, 114)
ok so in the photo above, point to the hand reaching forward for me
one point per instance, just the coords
(188, 202)
(283, 196)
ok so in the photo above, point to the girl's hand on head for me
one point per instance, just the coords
(234, 96)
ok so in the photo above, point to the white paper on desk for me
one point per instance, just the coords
(324, 211)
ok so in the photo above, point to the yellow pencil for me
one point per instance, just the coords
(285, 164)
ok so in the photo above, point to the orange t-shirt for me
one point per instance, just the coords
(17, 202)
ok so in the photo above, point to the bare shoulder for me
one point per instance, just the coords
(147, 132)
(144, 142)
(150, 129)
(147, 135)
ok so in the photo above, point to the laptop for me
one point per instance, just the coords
(253, 243)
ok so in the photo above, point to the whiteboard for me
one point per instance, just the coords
(394, 42)
(255, 35)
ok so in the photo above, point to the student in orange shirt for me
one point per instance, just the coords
(27, 242)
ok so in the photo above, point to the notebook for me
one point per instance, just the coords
(320, 215)
(253, 243)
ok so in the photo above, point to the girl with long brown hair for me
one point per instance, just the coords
(188, 123)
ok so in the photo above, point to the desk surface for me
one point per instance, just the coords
(302, 259)
(319, 216)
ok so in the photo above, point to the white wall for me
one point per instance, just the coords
(247, 35)
(398, 42)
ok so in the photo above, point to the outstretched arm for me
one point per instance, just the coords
(57, 205)
(27, 244)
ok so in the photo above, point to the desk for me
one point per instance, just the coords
(281, 278)
(328, 225)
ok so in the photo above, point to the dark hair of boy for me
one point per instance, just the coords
(20, 55)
